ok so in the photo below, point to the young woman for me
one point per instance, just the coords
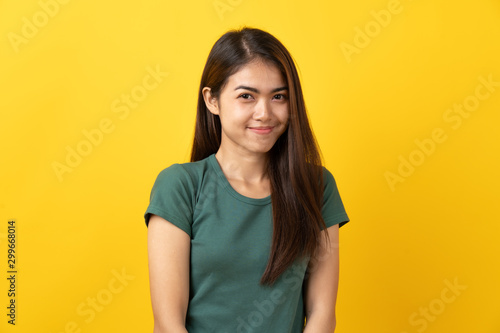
(244, 238)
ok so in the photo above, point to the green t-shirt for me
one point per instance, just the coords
(230, 245)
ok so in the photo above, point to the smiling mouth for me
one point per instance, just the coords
(261, 130)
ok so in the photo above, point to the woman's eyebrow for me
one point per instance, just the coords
(255, 90)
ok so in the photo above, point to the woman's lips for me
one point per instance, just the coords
(261, 130)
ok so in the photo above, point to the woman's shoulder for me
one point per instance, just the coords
(185, 171)
(327, 175)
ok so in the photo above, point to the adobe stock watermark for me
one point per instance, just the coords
(121, 107)
(294, 278)
(265, 308)
(454, 116)
(48, 9)
(371, 30)
(223, 6)
(96, 303)
(420, 320)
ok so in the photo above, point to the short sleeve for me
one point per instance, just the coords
(172, 198)
(333, 209)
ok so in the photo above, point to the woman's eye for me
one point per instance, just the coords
(245, 96)
(280, 96)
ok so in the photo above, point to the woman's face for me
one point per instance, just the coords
(253, 108)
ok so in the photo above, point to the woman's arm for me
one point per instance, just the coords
(168, 256)
(322, 284)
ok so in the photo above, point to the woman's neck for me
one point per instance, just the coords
(246, 168)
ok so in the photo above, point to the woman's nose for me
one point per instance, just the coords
(262, 110)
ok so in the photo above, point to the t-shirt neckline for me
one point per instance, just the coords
(218, 170)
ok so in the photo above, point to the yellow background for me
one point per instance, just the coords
(406, 242)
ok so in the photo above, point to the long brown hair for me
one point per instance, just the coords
(294, 164)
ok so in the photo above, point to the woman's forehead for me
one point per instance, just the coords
(261, 75)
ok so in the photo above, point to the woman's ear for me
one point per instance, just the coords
(210, 101)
